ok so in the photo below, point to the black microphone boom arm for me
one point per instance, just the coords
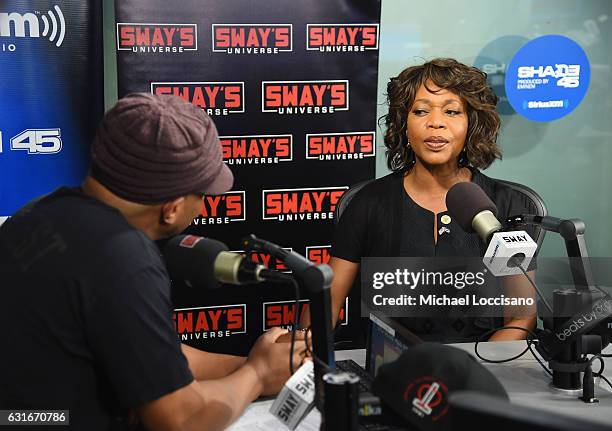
(572, 232)
(316, 281)
(564, 342)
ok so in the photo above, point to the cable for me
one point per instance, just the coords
(486, 335)
(601, 362)
(308, 348)
(306, 333)
(312, 354)
(600, 372)
(606, 295)
(604, 379)
(296, 323)
(517, 264)
(290, 279)
(531, 343)
(529, 340)
(600, 356)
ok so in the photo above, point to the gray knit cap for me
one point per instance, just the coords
(154, 148)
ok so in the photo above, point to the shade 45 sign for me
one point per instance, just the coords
(547, 78)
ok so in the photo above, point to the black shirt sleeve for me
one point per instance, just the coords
(129, 328)
(350, 233)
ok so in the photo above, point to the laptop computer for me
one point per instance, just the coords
(386, 340)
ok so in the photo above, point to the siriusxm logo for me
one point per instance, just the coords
(29, 24)
(545, 104)
(567, 75)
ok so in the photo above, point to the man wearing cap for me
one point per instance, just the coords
(85, 305)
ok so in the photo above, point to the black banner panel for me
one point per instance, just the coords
(292, 90)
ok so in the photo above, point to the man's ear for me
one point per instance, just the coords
(171, 210)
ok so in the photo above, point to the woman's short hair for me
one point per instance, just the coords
(467, 82)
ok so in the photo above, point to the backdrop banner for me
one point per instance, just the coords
(292, 90)
(51, 95)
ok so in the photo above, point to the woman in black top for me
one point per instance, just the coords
(441, 127)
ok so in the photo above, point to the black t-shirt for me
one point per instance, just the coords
(383, 221)
(85, 313)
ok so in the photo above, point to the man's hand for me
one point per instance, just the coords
(300, 335)
(214, 404)
(270, 359)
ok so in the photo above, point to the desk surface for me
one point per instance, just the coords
(528, 384)
(524, 379)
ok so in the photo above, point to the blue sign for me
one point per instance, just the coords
(50, 96)
(547, 78)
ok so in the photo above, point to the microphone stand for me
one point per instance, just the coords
(336, 392)
(315, 280)
(563, 343)
(572, 232)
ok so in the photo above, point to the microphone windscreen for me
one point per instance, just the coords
(465, 200)
(192, 258)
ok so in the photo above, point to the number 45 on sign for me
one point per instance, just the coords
(36, 141)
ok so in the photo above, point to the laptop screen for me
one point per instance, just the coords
(388, 339)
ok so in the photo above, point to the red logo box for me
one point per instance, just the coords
(256, 149)
(305, 97)
(150, 37)
(216, 98)
(252, 38)
(301, 204)
(341, 37)
(340, 146)
(216, 321)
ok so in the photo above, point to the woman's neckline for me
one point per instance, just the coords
(473, 171)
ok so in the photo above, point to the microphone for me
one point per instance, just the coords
(206, 262)
(475, 212)
(297, 398)
(316, 279)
